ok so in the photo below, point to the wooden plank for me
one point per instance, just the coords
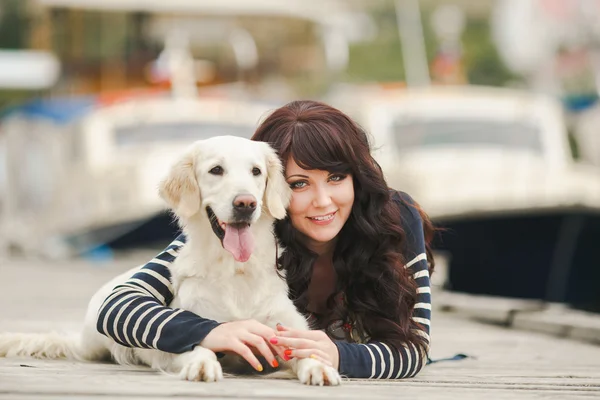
(499, 310)
(562, 321)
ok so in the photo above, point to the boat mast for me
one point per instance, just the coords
(410, 30)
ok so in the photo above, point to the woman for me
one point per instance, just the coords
(357, 262)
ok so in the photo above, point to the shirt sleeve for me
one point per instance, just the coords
(382, 361)
(136, 313)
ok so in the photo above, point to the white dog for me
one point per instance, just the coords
(226, 192)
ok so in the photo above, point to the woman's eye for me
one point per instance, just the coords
(256, 171)
(297, 184)
(218, 170)
(337, 177)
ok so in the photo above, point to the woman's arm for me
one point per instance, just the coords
(377, 359)
(136, 313)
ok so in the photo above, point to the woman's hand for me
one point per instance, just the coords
(243, 338)
(307, 344)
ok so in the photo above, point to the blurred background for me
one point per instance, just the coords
(486, 112)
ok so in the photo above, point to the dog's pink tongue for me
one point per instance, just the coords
(239, 242)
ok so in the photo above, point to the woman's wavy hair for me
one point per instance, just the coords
(378, 291)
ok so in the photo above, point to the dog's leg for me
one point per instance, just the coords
(313, 372)
(287, 316)
(199, 364)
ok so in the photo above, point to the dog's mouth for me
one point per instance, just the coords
(235, 237)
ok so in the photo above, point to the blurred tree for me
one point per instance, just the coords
(481, 59)
(381, 59)
(14, 24)
(14, 28)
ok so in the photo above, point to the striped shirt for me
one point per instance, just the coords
(137, 314)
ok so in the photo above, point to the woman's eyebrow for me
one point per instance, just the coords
(298, 175)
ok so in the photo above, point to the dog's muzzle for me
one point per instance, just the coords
(236, 236)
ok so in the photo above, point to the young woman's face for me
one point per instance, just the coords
(321, 203)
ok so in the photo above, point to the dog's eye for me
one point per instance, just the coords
(218, 170)
(256, 171)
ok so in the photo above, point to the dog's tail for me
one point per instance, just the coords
(40, 345)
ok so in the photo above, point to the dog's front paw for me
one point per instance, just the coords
(313, 372)
(202, 369)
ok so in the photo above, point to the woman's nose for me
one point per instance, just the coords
(322, 197)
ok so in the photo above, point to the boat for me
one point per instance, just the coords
(493, 167)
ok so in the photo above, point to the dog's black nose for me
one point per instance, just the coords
(244, 202)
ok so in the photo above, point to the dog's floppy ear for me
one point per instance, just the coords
(278, 192)
(180, 188)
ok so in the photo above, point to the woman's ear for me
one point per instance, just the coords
(277, 193)
(180, 188)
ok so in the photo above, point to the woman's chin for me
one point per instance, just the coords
(322, 236)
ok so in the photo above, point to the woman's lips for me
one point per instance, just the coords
(323, 219)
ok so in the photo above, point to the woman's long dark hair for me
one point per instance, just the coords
(378, 291)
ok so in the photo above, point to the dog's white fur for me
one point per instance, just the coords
(206, 278)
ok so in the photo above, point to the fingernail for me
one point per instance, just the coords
(313, 356)
(275, 364)
(287, 352)
(273, 340)
(259, 368)
(286, 358)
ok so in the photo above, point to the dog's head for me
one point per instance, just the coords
(232, 181)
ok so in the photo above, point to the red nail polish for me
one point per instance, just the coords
(275, 364)
(288, 352)
(273, 340)
(286, 358)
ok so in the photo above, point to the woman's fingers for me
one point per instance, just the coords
(267, 334)
(295, 343)
(243, 338)
(315, 354)
(244, 351)
(281, 328)
(267, 342)
(259, 343)
(279, 350)
(260, 329)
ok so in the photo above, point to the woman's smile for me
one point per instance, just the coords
(323, 219)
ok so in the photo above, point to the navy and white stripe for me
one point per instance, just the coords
(136, 313)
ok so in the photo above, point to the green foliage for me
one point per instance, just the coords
(14, 24)
(481, 60)
(15, 97)
(381, 59)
